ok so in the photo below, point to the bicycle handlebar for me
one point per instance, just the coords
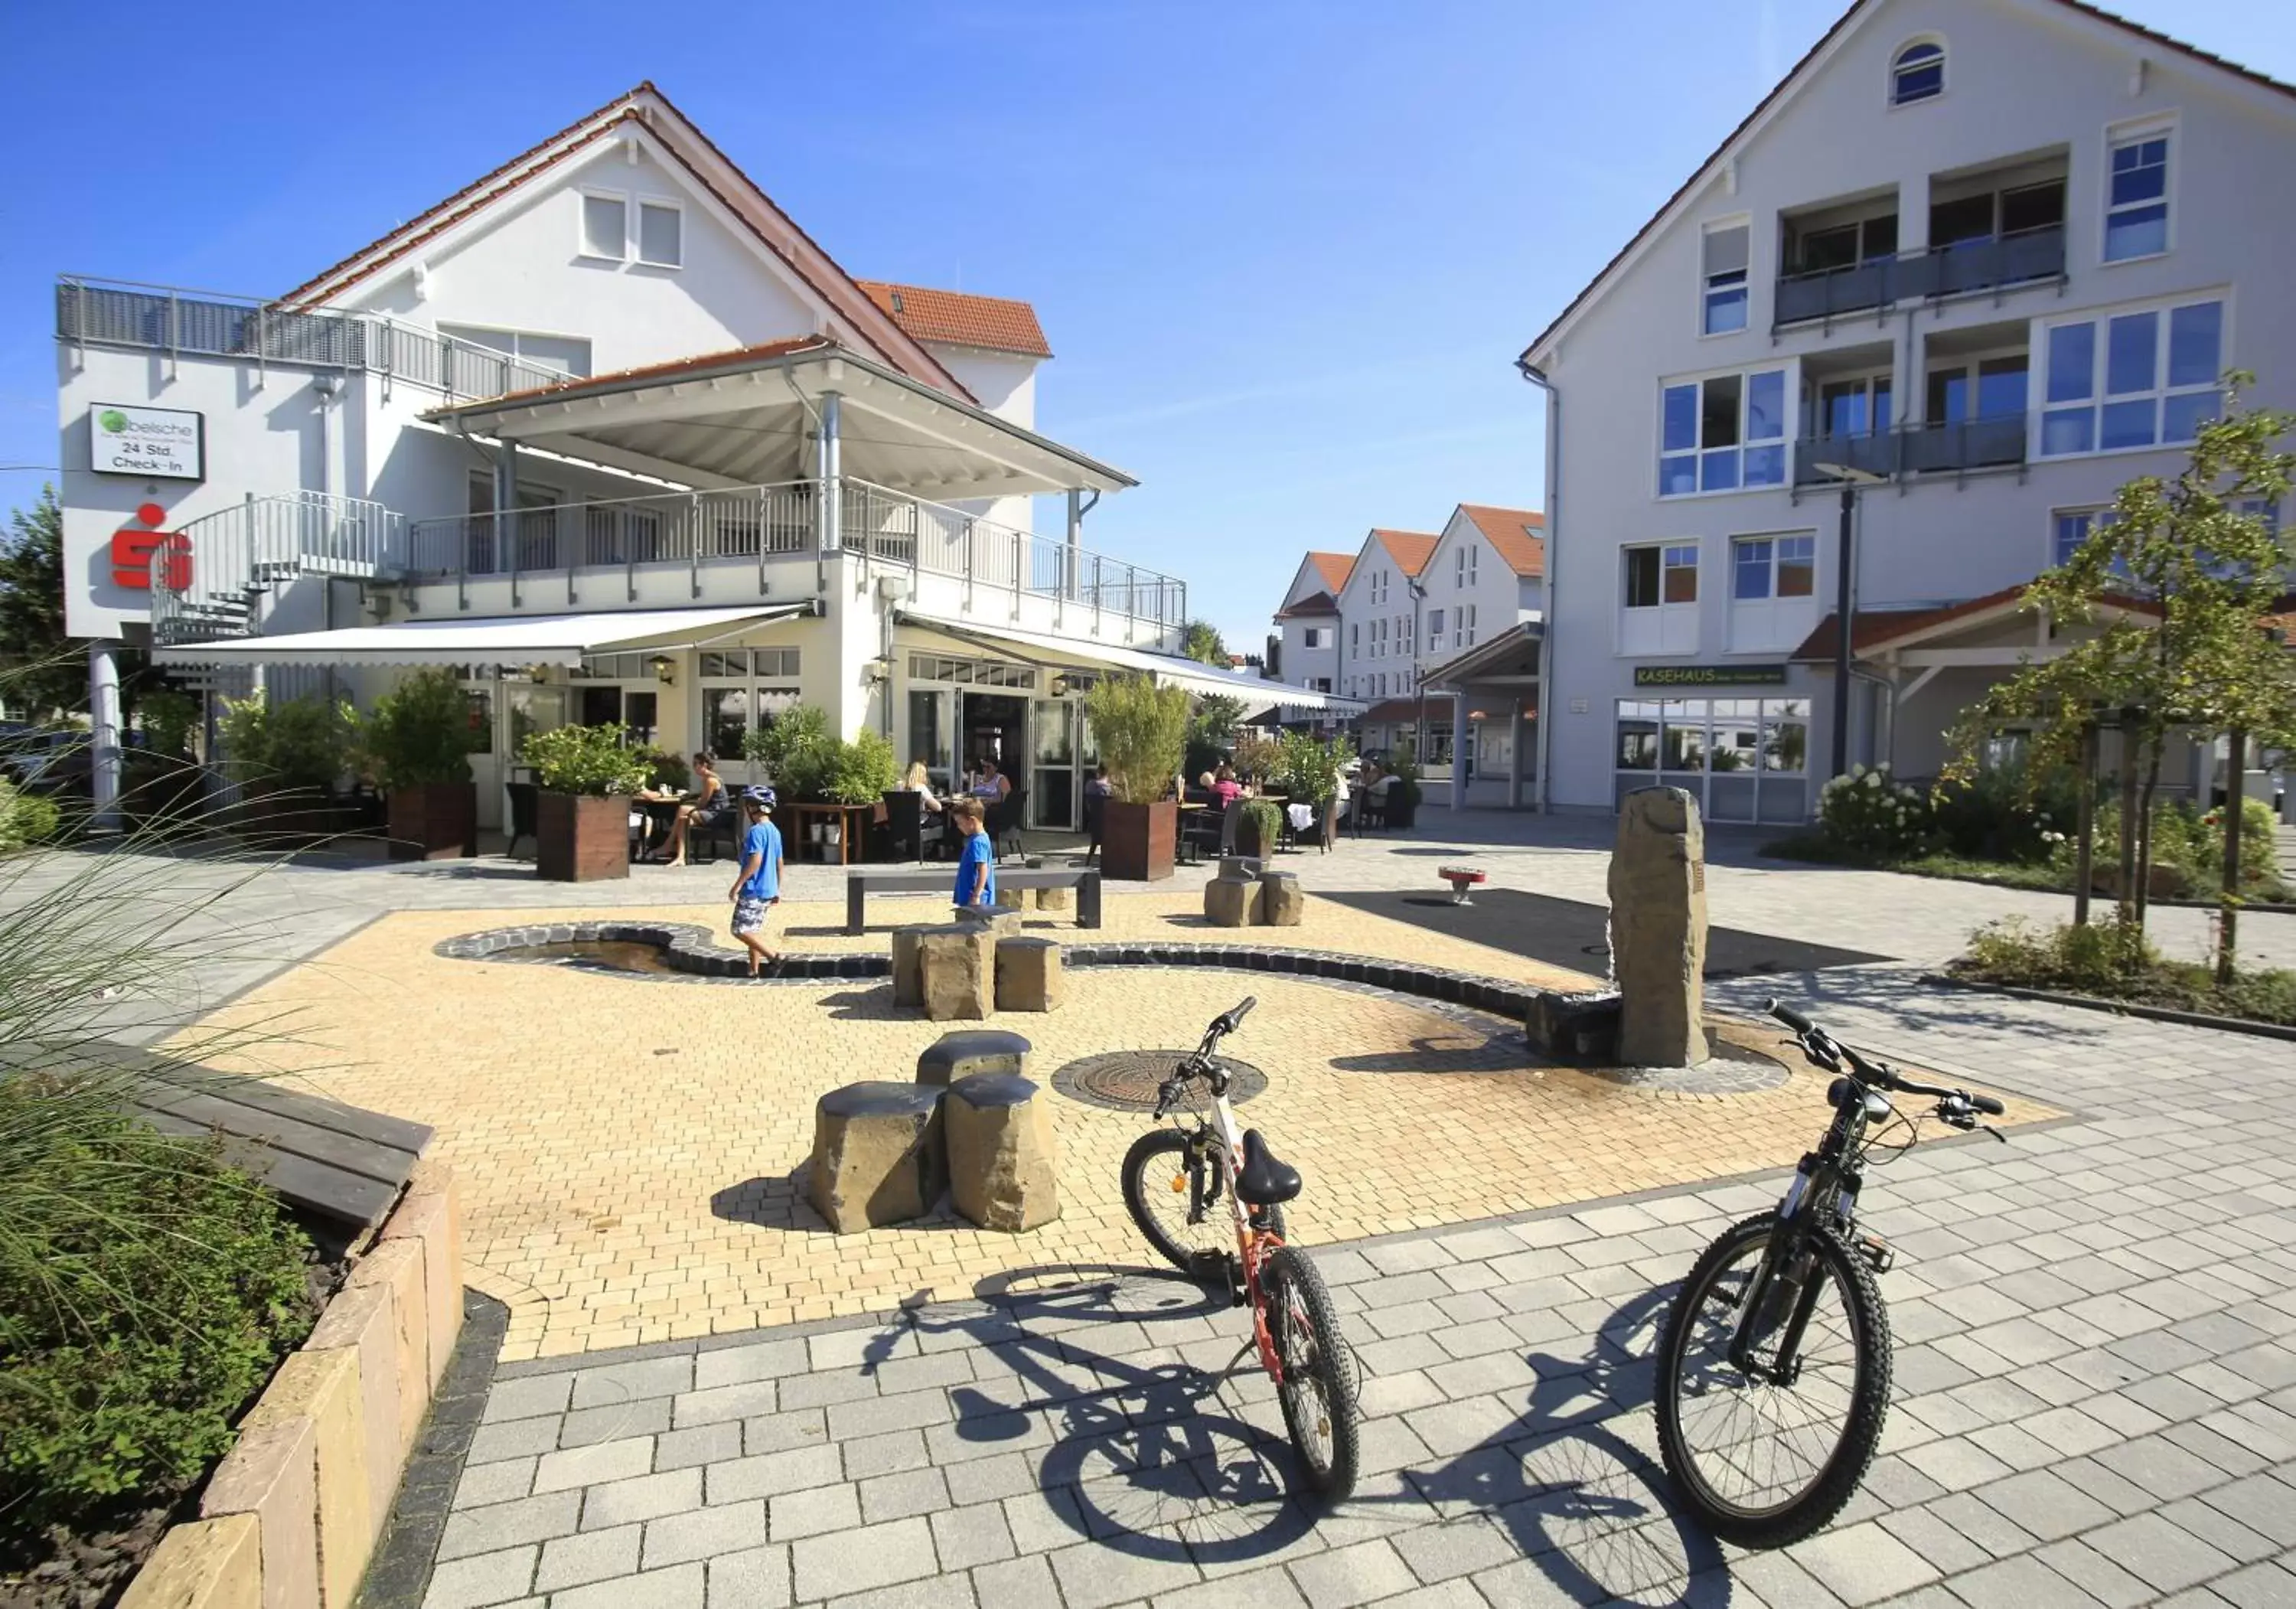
(1823, 1048)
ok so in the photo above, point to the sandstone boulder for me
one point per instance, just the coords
(877, 1155)
(908, 976)
(1280, 902)
(1003, 1166)
(956, 972)
(1658, 928)
(970, 1053)
(1028, 974)
(1228, 901)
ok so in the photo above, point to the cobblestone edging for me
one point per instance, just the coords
(2124, 1008)
(694, 956)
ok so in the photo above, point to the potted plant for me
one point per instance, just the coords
(1142, 730)
(419, 739)
(1404, 795)
(582, 832)
(287, 759)
(160, 783)
(1258, 829)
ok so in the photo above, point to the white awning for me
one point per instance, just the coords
(1257, 692)
(515, 640)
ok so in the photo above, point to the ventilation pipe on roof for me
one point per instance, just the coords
(1549, 617)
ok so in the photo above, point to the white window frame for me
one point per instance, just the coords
(639, 204)
(1706, 284)
(1665, 550)
(2091, 512)
(1464, 563)
(1467, 626)
(2163, 126)
(2041, 406)
(582, 224)
(513, 343)
(1897, 65)
(1784, 440)
(1773, 537)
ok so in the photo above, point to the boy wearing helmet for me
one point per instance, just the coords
(758, 886)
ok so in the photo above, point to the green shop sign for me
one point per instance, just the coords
(1709, 676)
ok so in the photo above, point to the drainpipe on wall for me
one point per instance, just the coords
(1548, 615)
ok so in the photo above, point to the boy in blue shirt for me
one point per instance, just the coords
(758, 886)
(976, 867)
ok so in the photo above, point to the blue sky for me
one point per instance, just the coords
(1285, 252)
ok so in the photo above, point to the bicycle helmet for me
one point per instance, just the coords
(762, 797)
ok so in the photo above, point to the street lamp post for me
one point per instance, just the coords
(1851, 478)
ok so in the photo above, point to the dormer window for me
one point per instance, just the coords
(1917, 73)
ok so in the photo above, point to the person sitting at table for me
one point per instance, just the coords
(1225, 788)
(712, 807)
(919, 780)
(992, 786)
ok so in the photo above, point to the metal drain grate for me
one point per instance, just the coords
(1126, 1080)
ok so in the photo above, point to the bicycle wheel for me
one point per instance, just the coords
(1318, 1388)
(1157, 1161)
(1763, 1463)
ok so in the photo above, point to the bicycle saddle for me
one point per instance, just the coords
(1264, 1181)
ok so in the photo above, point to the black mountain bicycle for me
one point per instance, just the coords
(1173, 1182)
(1774, 1371)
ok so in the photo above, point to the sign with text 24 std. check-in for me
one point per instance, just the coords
(160, 444)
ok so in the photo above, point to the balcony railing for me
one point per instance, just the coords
(759, 525)
(1955, 448)
(161, 318)
(1959, 269)
(205, 575)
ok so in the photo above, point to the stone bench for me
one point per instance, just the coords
(1029, 976)
(956, 970)
(971, 1052)
(1244, 896)
(877, 1155)
(1003, 1163)
(864, 881)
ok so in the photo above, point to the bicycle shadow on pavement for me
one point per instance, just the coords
(1153, 1433)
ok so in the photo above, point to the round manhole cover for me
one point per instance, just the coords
(1126, 1080)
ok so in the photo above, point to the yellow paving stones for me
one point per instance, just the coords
(629, 1148)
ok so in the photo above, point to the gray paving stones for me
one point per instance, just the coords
(862, 1559)
(679, 1587)
(646, 1497)
(501, 1525)
(593, 1556)
(492, 1578)
(1863, 1564)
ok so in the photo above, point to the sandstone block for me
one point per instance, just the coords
(205, 1564)
(1055, 900)
(969, 1052)
(878, 1156)
(1240, 868)
(956, 972)
(1002, 1164)
(396, 1265)
(1028, 974)
(272, 1473)
(1658, 928)
(323, 1387)
(360, 1320)
(1228, 901)
(430, 1213)
(908, 976)
(1280, 902)
(999, 919)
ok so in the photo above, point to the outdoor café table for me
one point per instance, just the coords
(661, 817)
(852, 819)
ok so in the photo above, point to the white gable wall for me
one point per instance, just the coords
(2022, 76)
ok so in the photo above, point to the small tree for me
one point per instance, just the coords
(420, 732)
(2192, 578)
(302, 742)
(584, 759)
(46, 674)
(1142, 729)
(1200, 640)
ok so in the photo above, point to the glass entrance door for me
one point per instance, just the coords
(1052, 765)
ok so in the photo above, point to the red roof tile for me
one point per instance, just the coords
(1313, 605)
(1334, 568)
(1779, 89)
(1409, 548)
(1404, 708)
(1513, 534)
(1872, 628)
(960, 319)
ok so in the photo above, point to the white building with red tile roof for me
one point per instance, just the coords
(608, 430)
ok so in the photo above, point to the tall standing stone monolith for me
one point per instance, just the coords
(1658, 928)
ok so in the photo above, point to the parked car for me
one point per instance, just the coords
(46, 760)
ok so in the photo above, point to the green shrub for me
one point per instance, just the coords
(1142, 730)
(2099, 958)
(1267, 824)
(584, 759)
(303, 742)
(1308, 771)
(797, 751)
(145, 1289)
(2192, 841)
(26, 818)
(666, 768)
(170, 718)
(420, 733)
(1211, 733)
(2004, 813)
(863, 771)
(1871, 812)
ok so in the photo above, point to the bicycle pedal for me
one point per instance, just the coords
(1877, 1252)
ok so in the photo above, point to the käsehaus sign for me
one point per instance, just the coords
(157, 444)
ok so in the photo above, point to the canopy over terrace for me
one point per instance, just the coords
(927, 630)
(525, 639)
(1494, 690)
(784, 411)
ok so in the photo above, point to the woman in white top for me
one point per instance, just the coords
(920, 781)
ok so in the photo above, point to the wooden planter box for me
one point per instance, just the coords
(437, 821)
(1137, 841)
(581, 837)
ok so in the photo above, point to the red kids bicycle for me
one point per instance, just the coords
(1186, 1187)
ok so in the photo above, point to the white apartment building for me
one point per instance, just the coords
(610, 432)
(1386, 624)
(1984, 259)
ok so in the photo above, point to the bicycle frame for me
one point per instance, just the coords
(1827, 1180)
(1253, 1242)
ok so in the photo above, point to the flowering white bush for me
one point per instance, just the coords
(1872, 812)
